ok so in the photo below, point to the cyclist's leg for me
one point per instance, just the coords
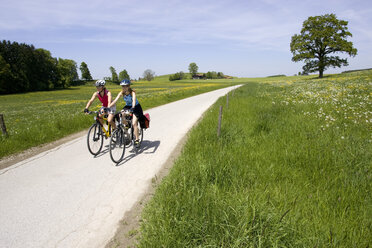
(138, 112)
(101, 114)
(111, 119)
(135, 126)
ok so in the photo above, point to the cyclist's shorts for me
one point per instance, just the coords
(111, 110)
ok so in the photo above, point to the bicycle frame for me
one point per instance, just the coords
(128, 117)
(97, 118)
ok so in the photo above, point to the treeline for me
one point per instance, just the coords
(24, 68)
(209, 75)
(193, 69)
(213, 75)
(279, 75)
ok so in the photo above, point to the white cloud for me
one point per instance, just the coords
(159, 22)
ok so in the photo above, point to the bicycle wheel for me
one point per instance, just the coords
(117, 145)
(95, 139)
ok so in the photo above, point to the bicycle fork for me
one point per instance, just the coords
(96, 133)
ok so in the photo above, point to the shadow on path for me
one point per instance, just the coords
(147, 147)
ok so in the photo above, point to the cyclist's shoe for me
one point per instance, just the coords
(137, 144)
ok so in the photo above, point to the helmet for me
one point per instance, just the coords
(125, 82)
(100, 83)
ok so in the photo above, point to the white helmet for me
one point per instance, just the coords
(100, 83)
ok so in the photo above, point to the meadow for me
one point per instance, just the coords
(37, 118)
(292, 168)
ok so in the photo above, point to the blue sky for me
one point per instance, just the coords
(238, 38)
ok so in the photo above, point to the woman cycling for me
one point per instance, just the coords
(105, 97)
(131, 102)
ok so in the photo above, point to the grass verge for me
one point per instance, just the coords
(292, 168)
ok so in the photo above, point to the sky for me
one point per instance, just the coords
(240, 38)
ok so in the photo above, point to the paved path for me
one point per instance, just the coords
(65, 197)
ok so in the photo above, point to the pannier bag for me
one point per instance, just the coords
(145, 123)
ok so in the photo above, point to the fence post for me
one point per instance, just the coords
(219, 123)
(2, 124)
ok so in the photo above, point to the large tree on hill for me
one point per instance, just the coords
(320, 37)
(193, 69)
(85, 73)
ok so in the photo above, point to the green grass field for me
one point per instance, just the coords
(292, 168)
(39, 117)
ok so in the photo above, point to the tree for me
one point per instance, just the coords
(114, 76)
(123, 75)
(18, 57)
(85, 73)
(148, 75)
(68, 72)
(5, 76)
(193, 68)
(321, 36)
(45, 70)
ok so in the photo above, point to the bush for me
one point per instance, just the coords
(177, 76)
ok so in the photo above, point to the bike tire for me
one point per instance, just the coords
(95, 139)
(117, 145)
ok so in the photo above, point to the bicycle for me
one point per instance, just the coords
(96, 133)
(123, 137)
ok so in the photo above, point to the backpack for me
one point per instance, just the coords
(145, 122)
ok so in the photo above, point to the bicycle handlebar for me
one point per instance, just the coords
(127, 112)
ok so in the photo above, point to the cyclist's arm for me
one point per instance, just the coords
(91, 100)
(114, 102)
(134, 99)
(109, 99)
